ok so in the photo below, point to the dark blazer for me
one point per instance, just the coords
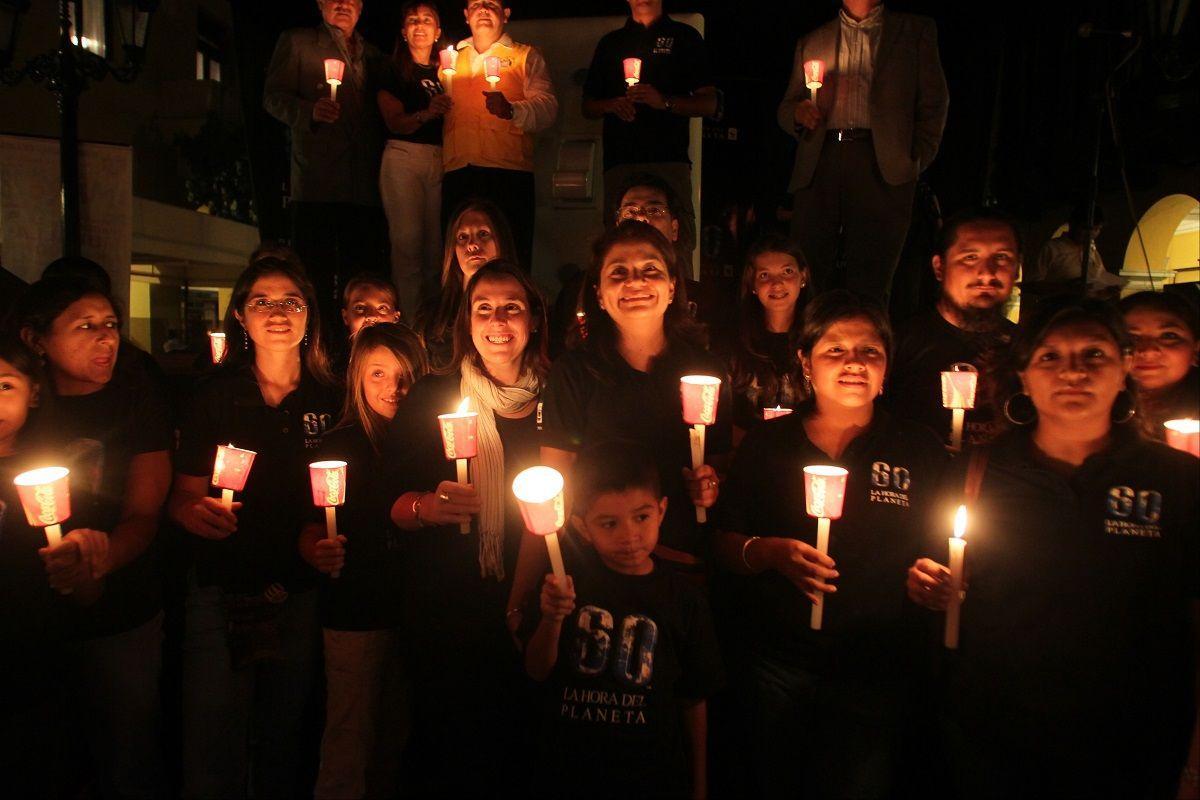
(334, 162)
(908, 97)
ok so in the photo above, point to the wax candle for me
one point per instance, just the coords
(1184, 434)
(46, 499)
(459, 443)
(328, 481)
(700, 394)
(334, 70)
(491, 70)
(216, 343)
(958, 395)
(633, 70)
(814, 76)
(958, 548)
(447, 59)
(230, 470)
(776, 412)
(824, 495)
(539, 492)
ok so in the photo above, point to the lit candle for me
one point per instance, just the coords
(814, 76)
(958, 395)
(777, 411)
(447, 59)
(491, 70)
(539, 492)
(328, 480)
(1184, 434)
(334, 69)
(230, 470)
(633, 70)
(46, 498)
(958, 548)
(700, 395)
(459, 443)
(824, 495)
(216, 343)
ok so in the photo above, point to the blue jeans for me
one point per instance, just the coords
(117, 678)
(813, 736)
(245, 721)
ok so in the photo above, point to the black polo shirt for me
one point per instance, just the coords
(925, 346)
(1076, 635)
(674, 61)
(228, 408)
(589, 401)
(896, 471)
(415, 93)
(96, 436)
(366, 596)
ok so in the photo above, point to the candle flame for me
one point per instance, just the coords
(464, 406)
(960, 522)
(1183, 425)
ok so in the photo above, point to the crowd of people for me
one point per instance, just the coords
(179, 642)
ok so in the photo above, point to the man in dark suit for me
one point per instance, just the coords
(876, 124)
(338, 223)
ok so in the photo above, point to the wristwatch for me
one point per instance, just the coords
(668, 104)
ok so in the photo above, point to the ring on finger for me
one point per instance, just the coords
(445, 498)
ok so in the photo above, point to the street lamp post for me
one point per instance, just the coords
(67, 72)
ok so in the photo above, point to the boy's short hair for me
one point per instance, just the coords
(369, 280)
(614, 466)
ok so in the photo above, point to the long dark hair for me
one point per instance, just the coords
(406, 346)
(751, 363)
(1049, 315)
(601, 338)
(439, 325)
(401, 55)
(536, 356)
(312, 355)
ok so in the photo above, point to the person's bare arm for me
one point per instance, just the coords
(700, 103)
(191, 507)
(146, 487)
(557, 603)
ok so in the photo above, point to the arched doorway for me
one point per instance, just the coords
(1171, 235)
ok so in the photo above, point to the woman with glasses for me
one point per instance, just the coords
(251, 634)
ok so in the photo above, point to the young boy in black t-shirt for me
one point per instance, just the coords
(626, 650)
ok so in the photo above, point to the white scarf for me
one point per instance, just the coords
(487, 398)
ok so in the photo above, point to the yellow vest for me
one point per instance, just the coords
(472, 135)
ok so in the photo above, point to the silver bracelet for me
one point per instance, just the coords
(746, 546)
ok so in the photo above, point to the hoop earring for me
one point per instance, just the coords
(1008, 410)
(245, 339)
(1124, 397)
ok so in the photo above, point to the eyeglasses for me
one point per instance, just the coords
(289, 305)
(646, 212)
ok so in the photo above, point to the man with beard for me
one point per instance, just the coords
(977, 261)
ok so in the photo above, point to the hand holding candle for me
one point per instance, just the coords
(1184, 434)
(633, 70)
(958, 548)
(230, 471)
(539, 492)
(328, 480)
(700, 394)
(824, 495)
(459, 443)
(958, 394)
(216, 343)
(335, 68)
(814, 76)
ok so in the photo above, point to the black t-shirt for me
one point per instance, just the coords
(33, 617)
(446, 596)
(635, 646)
(96, 436)
(927, 345)
(228, 408)
(749, 396)
(674, 61)
(1076, 631)
(896, 471)
(366, 596)
(415, 94)
(588, 402)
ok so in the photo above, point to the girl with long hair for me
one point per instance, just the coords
(1166, 350)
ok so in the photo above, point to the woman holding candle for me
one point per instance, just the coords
(850, 674)
(114, 437)
(1075, 674)
(1166, 351)
(456, 585)
(412, 104)
(477, 233)
(250, 627)
(365, 707)
(764, 368)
